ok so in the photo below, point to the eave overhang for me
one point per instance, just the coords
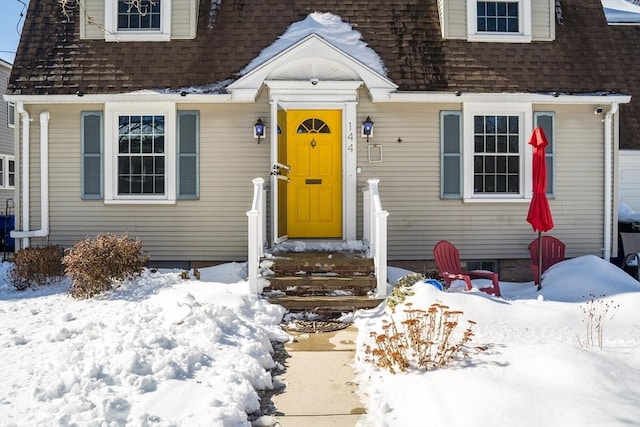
(326, 88)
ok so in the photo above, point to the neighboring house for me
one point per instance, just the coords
(144, 122)
(7, 161)
(622, 12)
(7, 164)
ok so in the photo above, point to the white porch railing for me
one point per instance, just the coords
(375, 233)
(257, 226)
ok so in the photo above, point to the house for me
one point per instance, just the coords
(7, 161)
(154, 120)
(625, 13)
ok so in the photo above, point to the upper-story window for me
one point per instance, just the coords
(138, 20)
(140, 15)
(499, 21)
(498, 16)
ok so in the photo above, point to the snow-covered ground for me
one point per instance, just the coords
(533, 372)
(162, 351)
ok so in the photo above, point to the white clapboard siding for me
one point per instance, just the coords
(453, 18)
(215, 226)
(410, 188)
(212, 228)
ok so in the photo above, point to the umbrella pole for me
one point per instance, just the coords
(539, 260)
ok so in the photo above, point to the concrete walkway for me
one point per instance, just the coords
(319, 390)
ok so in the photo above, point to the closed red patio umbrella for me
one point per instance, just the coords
(539, 215)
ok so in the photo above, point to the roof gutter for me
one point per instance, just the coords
(25, 234)
(608, 158)
(535, 98)
(143, 96)
(399, 97)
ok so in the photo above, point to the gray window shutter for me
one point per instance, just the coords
(92, 136)
(546, 121)
(451, 154)
(188, 155)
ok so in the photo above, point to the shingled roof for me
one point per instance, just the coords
(588, 56)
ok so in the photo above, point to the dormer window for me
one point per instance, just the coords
(499, 21)
(497, 17)
(140, 15)
(137, 20)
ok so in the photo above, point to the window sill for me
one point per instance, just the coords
(499, 38)
(139, 202)
(136, 37)
(497, 200)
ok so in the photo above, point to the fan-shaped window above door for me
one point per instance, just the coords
(313, 126)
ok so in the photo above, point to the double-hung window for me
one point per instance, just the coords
(141, 156)
(140, 153)
(496, 159)
(138, 20)
(496, 154)
(499, 21)
(484, 154)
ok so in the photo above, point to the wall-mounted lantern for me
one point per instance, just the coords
(258, 130)
(367, 128)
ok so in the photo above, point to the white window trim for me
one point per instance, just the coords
(11, 112)
(112, 111)
(5, 171)
(525, 111)
(525, 18)
(111, 33)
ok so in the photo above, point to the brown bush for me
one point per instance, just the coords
(96, 264)
(425, 340)
(37, 266)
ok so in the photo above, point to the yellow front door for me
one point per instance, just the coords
(314, 152)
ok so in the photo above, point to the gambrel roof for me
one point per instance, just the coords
(587, 56)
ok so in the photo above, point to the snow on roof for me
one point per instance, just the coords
(621, 11)
(332, 29)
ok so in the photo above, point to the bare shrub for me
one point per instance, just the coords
(96, 264)
(425, 340)
(596, 314)
(37, 266)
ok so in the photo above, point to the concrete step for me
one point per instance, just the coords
(322, 285)
(325, 303)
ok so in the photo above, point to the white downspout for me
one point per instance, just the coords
(608, 204)
(44, 178)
